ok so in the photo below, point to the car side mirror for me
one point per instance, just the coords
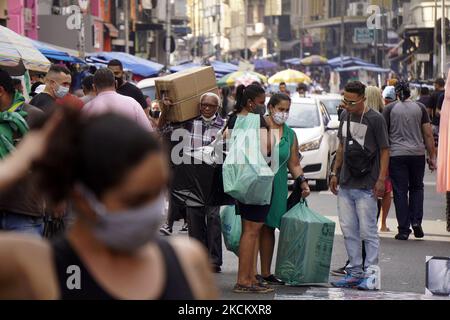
(333, 125)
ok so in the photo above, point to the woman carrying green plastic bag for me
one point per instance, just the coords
(286, 145)
(248, 101)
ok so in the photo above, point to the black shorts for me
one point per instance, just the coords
(254, 213)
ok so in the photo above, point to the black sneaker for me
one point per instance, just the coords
(402, 236)
(166, 230)
(184, 228)
(339, 272)
(261, 280)
(418, 231)
(274, 280)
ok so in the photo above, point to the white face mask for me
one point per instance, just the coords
(280, 117)
(208, 119)
(127, 230)
(61, 92)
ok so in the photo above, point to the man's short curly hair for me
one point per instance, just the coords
(356, 87)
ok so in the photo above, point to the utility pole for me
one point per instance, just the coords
(435, 44)
(343, 8)
(168, 32)
(384, 33)
(245, 30)
(81, 38)
(84, 8)
(444, 44)
(127, 26)
(219, 31)
(302, 24)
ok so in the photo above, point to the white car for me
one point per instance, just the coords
(147, 87)
(331, 102)
(317, 138)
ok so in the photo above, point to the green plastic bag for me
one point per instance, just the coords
(304, 247)
(231, 228)
(246, 175)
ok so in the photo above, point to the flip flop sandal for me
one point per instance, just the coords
(238, 288)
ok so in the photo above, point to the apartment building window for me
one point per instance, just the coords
(332, 8)
(250, 14)
(286, 7)
(261, 13)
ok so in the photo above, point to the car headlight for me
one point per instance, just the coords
(313, 145)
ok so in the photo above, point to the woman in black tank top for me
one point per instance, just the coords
(176, 286)
(114, 175)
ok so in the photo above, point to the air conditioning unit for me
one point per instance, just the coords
(259, 28)
(357, 9)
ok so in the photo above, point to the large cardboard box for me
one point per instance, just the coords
(184, 90)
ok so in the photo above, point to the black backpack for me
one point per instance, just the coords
(358, 160)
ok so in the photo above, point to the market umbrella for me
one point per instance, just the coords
(289, 76)
(314, 60)
(52, 53)
(17, 50)
(264, 64)
(137, 65)
(241, 77)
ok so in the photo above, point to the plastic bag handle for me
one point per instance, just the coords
(303, 201)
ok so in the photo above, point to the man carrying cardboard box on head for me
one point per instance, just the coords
(203, 221)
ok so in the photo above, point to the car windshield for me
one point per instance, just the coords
(332, 105)
(149, 91)
(303, 115)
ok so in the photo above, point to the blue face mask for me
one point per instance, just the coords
(127, 230)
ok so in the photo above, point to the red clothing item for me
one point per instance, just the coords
(71, 100)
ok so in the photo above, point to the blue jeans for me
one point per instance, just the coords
(407, 173)
(358, 219)
(21, 223)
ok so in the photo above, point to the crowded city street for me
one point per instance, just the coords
(247, 151)
(402, 263)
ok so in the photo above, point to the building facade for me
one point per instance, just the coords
(21, 16)
(419, 57)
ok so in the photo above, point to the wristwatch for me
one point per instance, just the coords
(301, 179)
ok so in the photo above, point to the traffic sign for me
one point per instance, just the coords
(364, 35)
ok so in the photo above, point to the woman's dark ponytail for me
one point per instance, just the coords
(240, 104)
(243, 94)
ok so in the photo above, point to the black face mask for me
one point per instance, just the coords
(155, 114)
(119, 82)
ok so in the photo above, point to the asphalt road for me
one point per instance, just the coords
(402, 263)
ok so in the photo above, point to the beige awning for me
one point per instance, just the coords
(113, 31)
(16, 49)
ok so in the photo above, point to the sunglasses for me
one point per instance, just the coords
(351, 103)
